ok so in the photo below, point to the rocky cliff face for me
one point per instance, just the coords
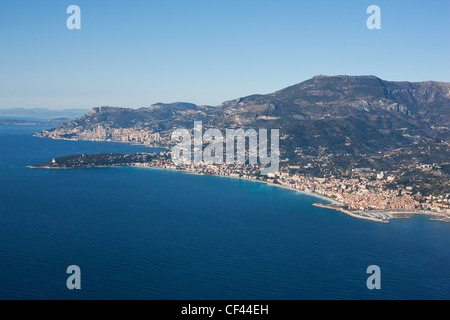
(338, 113)
(324, 97)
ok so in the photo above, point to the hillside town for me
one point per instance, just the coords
(101, 133)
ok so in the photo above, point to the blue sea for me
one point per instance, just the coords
(152, 234)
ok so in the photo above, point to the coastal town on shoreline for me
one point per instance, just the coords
(361, 189)
(363, 195)
(359, 196)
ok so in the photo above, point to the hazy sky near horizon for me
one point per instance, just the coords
(135, 53)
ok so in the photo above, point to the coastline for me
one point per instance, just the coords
(380, 216)
(151, 146)
(351, 214)
(309, 193)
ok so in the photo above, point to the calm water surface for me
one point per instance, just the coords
(151, 234)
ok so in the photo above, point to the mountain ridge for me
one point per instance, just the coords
(343, 114)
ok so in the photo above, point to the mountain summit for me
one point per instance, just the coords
(334, 97)
(335, 114)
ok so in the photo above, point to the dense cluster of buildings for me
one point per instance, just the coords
(101, 133)
(356, 194)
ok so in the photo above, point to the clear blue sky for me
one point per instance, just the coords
(135, 53)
